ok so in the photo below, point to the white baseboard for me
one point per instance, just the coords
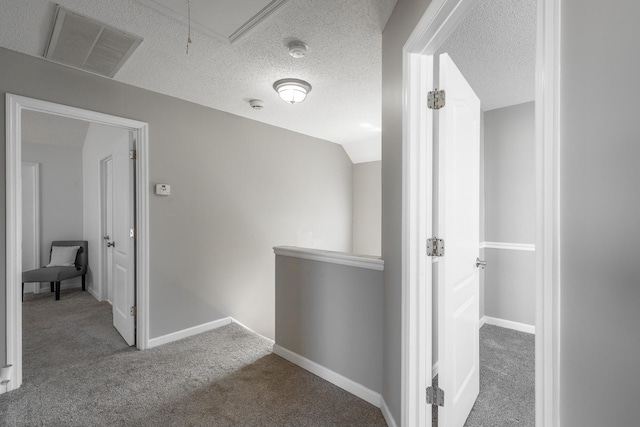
(175, 336)
(252, 331)
(483, 320)
(522, 327)
(94, 293)
(386, 413)
(327, 374)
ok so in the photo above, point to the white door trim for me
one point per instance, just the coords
(14, 106)
(36, 223)
(547, 345)
(438, 22)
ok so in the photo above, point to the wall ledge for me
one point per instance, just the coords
(509, 246)
(342, 258)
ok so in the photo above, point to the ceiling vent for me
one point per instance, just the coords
(89, 45)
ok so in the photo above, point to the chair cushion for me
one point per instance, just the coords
(50, 274)
(63, 256)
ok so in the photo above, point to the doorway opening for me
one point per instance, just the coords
(136, 133)
(439, 22)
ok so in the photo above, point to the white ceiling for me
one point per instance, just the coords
(343, 64)
(495, 49)
(227, 20)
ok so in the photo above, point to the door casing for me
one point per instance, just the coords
(34, 224)
(14, 106)
(440, 20)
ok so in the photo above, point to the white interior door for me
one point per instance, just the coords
(31, 221)
(123, 249)
(458, 224)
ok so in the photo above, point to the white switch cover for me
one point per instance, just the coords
(163, 189)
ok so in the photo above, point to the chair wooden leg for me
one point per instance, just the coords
(51, 286)
(84, 288)
(57, 291)
(22, 291)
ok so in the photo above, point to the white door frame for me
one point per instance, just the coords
(439, 21)
(36, 221)
(14, 106)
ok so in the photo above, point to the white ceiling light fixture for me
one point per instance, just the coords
(292, 90)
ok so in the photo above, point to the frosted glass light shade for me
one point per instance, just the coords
(292, 90)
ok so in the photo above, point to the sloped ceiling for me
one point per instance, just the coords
(43, 128)
(495, 49)
(343, 64)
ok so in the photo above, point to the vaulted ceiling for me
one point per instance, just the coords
(238, 51)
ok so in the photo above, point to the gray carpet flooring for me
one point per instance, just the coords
(507, 380)
(79, 372)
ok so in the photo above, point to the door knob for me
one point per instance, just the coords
(480, 263)
(111, 244)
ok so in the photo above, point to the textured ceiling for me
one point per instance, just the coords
(43, 128)
(494, 48)
(227, 20)
(343, 64)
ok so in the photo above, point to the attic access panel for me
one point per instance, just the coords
(89, 45)
(226, 20)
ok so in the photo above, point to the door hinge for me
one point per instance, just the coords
(435, 247)
(133, 154)
(436, 99)
(435, 396)
(134, 310)
(132, 232)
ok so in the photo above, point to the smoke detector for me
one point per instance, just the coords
(297, 49)
(256, 104)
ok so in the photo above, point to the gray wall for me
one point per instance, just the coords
(333, 315)
(367, 209)
(599, 214)
(239, 187)
(60, 195)
(403, 20)
(509, 212)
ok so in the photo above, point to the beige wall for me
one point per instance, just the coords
(599, 214)
(367, 209)
(239, 188)
(509, 212)
(332, 315)
(60, 196)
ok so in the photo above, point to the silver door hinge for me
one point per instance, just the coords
(435, 247)
(436, 99)
(134, 310)
(133, 154)
(132, 232)
(435, 396)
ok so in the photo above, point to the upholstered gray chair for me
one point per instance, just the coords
(55, 275)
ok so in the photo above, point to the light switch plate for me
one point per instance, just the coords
(163, 189)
